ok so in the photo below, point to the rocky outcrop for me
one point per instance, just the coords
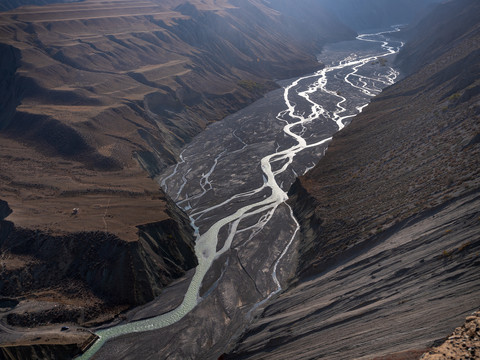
(464, 343)
(118, 271)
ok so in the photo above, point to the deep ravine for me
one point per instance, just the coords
(232, 182)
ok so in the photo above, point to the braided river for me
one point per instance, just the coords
(232, 181)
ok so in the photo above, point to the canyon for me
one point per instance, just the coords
(97, 98)
(100, 93)
(232, 181)
(389, 217)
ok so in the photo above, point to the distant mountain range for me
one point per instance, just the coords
(372, 14)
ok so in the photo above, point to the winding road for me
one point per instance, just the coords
(232, 181)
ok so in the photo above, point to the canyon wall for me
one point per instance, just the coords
(389, 218)
(147, 80)
(9, 89)
(392, 146)
(120, 272)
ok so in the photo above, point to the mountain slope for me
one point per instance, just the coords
(388, 254)
(12, 4)
(371, 14)
(423, 47)
(96, 90)
(162, 70)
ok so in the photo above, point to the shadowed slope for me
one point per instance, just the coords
(388, 255)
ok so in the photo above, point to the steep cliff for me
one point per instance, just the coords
(9, 87)
(4, 210)
(434, 108)
(120, 272)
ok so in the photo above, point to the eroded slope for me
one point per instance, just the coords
(388, 255)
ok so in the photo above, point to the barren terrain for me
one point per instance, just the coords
(96, 97)
(389, 248)
(99, 93)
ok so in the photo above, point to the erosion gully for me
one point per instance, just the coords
(232, 182)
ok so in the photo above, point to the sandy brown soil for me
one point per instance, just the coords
(123, 76)
(464, 343)
(44, 193)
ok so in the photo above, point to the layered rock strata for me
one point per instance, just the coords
(116, 77)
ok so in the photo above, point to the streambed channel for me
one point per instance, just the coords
(232, 181)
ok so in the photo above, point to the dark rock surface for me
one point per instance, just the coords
(4, 210)
(400, 292)
(388, 260)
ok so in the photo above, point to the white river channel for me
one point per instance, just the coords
(345, 70)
